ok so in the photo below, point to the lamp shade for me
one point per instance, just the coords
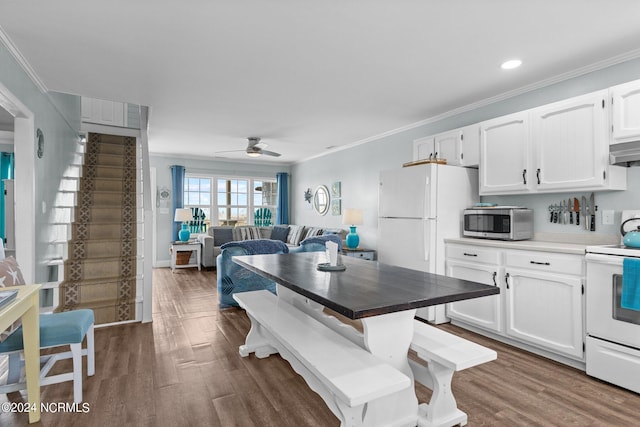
(352, 217)
(183, 215)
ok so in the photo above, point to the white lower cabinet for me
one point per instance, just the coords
(545, 310)
(541, 301)
(478, 265)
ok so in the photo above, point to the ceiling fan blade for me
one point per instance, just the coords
(270, 153)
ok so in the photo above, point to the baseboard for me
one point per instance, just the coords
(163, 264)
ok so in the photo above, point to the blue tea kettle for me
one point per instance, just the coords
(630, 238)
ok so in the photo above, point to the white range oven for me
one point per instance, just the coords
(613, 333)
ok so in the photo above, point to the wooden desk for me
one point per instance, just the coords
(383, 297)
(26, 306)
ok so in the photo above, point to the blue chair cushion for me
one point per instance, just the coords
(68, 327)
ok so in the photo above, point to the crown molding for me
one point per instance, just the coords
(22, 61)
(596, 66)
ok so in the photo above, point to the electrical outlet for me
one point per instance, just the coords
(607, 217)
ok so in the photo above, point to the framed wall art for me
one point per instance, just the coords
(335, 190)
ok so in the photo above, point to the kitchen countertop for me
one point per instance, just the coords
(543, 243)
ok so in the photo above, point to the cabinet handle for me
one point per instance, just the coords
(538, 175)
(524, 176)
(493, 276)
(506, 280)
(539, 263)
(468, 254)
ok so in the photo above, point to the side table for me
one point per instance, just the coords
(185, 247)
(368, 254)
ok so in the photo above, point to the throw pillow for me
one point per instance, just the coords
(222, 236)
(312, 232)
(10, 275)
(249, 233)
(295, 234)
(279, 233)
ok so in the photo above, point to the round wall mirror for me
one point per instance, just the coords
(321, 200)
(40, 143)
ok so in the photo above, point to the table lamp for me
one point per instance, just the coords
(183, 215)
(352, 217)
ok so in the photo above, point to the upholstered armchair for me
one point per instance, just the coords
(233, 278)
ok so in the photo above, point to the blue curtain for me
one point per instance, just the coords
(282, 207)
(6, 172)
(177, 184)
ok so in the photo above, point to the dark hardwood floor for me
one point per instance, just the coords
(184, 370)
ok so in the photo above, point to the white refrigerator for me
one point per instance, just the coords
(419, 207)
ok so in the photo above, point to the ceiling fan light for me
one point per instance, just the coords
(253, 154)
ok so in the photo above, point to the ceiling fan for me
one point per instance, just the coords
(255, 148)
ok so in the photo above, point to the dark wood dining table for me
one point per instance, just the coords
(383, 297)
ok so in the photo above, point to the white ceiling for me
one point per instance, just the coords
(306, 75)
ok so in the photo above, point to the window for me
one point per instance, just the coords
(264, 202)
(197, 194)
(232, 201)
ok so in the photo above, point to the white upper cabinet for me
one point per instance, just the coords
(460, 147)
(423, 148)
(565, 147)
(504, 155)
(570, 143)
(625, 112)
(470, 142)
(103, 112)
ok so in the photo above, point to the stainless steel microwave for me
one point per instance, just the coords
(499, 222)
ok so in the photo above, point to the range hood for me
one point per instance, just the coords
(625, 154)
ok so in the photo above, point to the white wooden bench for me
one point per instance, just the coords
(445, 354)
(344, 374)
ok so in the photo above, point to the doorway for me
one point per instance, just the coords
(24, 149)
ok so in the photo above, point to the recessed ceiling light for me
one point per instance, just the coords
(511, 64)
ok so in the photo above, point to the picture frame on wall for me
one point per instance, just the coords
(336, 207)
(335, 190)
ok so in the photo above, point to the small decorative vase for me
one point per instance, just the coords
(353, 240)
(184, 234)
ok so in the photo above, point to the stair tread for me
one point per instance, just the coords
(109, 279)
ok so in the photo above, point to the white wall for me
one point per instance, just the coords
(357, 168)
(58, 116)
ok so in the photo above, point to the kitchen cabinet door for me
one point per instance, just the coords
(570, 141)
(470, 140)
(485, 312)
(504, 155)
(625, 112)
(423, 148)
(448, 146)
(545, 310)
